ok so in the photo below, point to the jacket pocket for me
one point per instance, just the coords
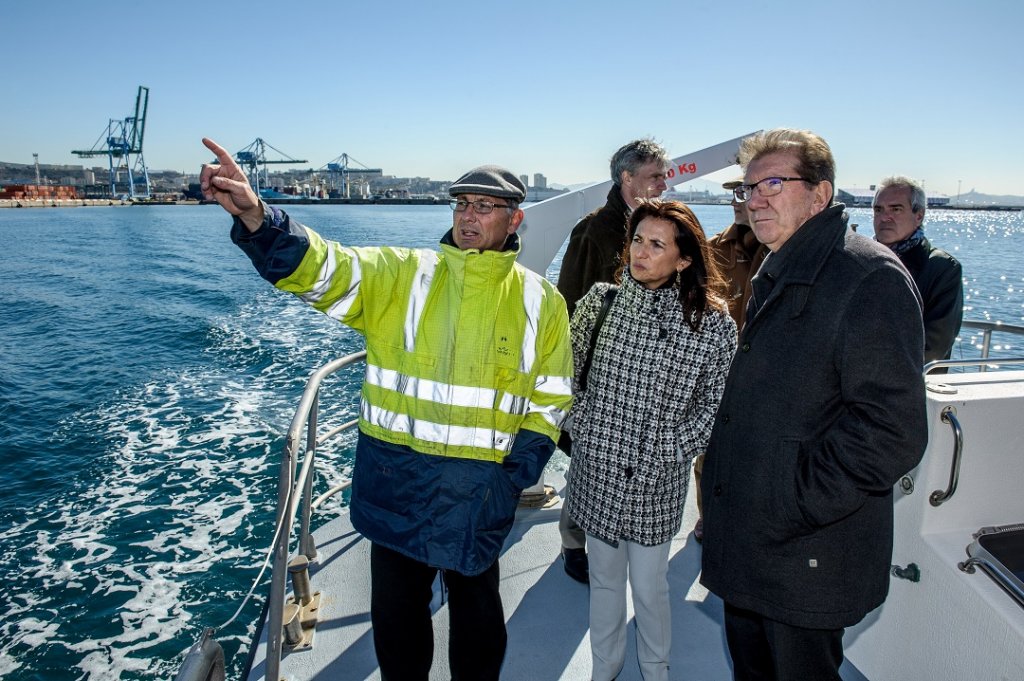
(494, 508)
(786, 522)
(509, 389)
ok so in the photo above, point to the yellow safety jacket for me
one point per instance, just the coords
(468, 362)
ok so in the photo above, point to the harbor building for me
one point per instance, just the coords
(858, 197)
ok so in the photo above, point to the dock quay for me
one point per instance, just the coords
(418, 201)
(61, 203)
(77, 203)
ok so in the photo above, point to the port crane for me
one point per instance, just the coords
(342, 167)
(121, 143)
(254, 157)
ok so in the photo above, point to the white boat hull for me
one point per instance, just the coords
(953, 624)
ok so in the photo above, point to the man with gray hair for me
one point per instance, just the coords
(823, 411)
(638, 171)
(899, 207)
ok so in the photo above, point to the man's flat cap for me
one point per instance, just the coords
(732, 184)
(490, 181)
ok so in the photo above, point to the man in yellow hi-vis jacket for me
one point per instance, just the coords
(467, 381)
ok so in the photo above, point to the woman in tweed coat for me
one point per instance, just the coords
(656, 378)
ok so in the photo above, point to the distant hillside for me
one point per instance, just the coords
(974, 198)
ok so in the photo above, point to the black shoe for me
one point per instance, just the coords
(576, 565)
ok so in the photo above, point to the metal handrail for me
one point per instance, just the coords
(938, 497)
(292, 492)
(993, 571)
(984, 362)
(988, 328)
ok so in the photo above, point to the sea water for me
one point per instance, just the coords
(147, 380)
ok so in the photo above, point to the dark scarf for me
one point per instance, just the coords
(901, 247)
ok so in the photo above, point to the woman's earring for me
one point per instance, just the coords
(679, 278)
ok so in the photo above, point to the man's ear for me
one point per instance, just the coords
(515, 220)
(823, 195)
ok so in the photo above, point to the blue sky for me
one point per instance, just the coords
(931, 90)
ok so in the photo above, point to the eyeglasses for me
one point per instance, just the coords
(769, 186)
(480, 207)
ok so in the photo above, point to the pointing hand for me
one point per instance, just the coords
(225, 183)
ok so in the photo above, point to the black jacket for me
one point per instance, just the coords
(939, 278)
(823, 412)
(595, 249)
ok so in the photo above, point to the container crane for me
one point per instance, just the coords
(121, 143)
(254, 157)
(341, 167)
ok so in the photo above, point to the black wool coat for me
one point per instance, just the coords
(823, 412)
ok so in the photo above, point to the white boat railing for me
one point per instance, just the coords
(295, 492)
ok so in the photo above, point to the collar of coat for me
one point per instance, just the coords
(616, 205)
(490, 264)
(655, 302)
(511, 243)
(733, 232)
(801, 258)
(743, 234)
(914, 258)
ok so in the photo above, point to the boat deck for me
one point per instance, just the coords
(546, 611)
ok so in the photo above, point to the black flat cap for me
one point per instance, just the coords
(489, 181)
